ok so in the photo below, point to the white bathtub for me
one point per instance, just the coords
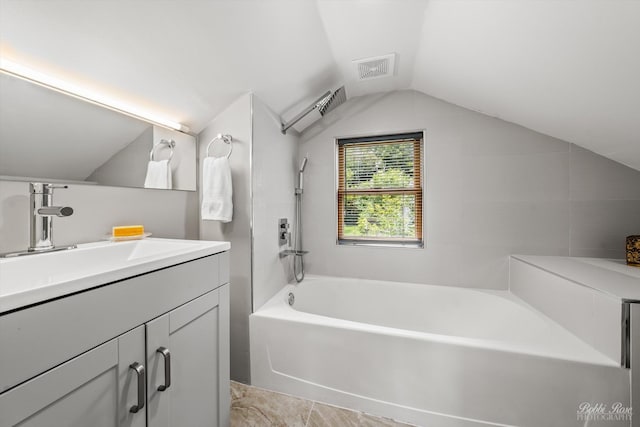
(428, 355)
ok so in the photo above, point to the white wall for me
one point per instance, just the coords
(165, 213)
(235, 121)
(263, 168)
(274, 171)
(492, 188)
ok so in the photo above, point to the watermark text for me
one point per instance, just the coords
(588, 411)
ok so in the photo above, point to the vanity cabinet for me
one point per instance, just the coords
(171, 369)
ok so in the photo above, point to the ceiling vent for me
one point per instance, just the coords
(375, 67)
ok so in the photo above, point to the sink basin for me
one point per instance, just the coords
(32, 279)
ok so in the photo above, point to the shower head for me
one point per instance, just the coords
(332, 101)
(303, 164)
(327, 102)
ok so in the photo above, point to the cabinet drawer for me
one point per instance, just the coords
(38, 338)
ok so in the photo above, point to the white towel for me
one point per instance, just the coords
(158, 175)
(217, 191)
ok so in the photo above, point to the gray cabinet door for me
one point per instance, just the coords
(97, 388)
(196, 340)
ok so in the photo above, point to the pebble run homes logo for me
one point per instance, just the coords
(601, 412)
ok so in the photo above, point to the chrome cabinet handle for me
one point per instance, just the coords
(166, 355)
(141, 384)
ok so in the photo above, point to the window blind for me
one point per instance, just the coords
(380, 189)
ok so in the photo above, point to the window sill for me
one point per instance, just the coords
(381, 244)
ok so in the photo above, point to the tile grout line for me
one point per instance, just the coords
(306, 424)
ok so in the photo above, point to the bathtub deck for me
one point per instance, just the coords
(253, 406)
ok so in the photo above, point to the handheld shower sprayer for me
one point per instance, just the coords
(298, 261)
(301, 176)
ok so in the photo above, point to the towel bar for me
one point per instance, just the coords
(170, 143)
(227, 139)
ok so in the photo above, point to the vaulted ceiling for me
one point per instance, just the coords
(565, 68)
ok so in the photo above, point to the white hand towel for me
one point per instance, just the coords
(158, 175)
(217, 191)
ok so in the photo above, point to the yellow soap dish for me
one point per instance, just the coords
(127, 238)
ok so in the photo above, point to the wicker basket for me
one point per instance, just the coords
(633, 251)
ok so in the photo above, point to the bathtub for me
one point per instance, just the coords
(428, 355)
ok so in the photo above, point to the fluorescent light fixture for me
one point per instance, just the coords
(23, 72)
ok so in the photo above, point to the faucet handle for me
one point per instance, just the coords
(56, 211)
(44, 187)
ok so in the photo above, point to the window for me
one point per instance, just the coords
(380, 190)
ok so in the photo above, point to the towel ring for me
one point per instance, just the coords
(169, 143)
(227, 139)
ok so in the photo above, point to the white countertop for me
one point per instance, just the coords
(33, 279)
(611, 276)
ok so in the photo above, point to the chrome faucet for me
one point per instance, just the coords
(42, 212)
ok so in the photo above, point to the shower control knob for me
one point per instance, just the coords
(283, 231)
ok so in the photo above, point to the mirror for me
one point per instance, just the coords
(46, 135)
